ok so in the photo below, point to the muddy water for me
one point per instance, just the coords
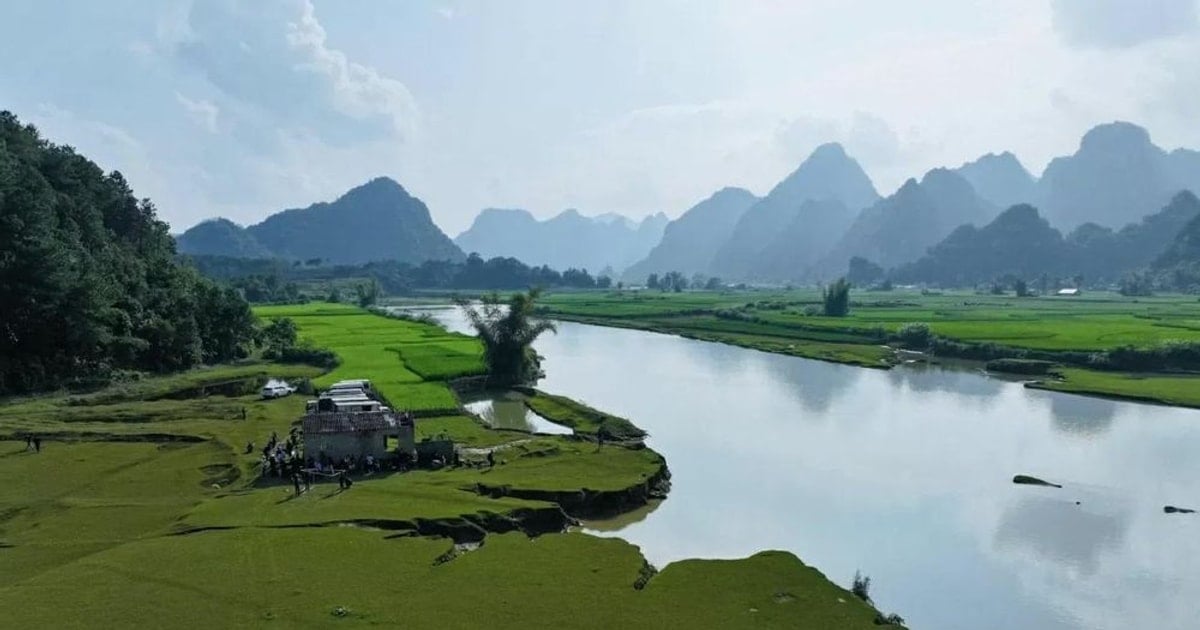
(906, 476)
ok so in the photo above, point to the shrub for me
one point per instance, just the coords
(861, 587)
(307, 353)
(916, 336)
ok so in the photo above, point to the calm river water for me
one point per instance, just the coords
(905, 475)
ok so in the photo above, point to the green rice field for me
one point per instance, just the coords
(145, 510)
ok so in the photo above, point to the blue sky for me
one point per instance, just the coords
(241, 108)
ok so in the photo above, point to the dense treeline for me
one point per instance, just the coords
(278, 281)
(89, 282)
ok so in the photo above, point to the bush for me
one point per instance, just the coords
(307, 353)
(1033, 367)
(915, 336)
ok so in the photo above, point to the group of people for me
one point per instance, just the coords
(278, 458)
(33, 443)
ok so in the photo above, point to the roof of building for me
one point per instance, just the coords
(350, 421)
(1068, 291)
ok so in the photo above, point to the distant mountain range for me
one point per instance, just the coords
(901, 227)
(568, 240)
(1105, 197)
(690, 242)
(821, 197)
(1022, 244)
(378, 220)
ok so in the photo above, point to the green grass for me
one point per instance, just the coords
(1098, 321)
(119, 509)
(299, 577)
(1182, 390)
(580, 417)
(782, 322)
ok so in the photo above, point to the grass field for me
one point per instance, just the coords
(788, 322)
(143, 510)
(1181, 390)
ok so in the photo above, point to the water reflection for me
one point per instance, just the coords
(1081, 415)
(1064, 531)
(906, 476)
(504, 410)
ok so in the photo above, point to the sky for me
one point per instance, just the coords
(241, 108)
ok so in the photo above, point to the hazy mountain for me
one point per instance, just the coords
(1103, 254)
(1184, 248)
(567, 240)
(689, 242)
(1018, 242)
(900, 228)
(1000, 179)
(793, 250)
(827, 174)
(1116, 177)
(220, 237)
(378, 220)
(1184, 166)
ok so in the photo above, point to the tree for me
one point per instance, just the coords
(1021, 288)
(279, 335)
(652, 281)
(1137, 284)
(334, 296)
(368, 293)
(837, 298)
(603, 282)
(713, 284)
(863, 272)
(673, 281)
(508, 332)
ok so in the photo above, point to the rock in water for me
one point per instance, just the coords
(1033, 481)
(1171, 509)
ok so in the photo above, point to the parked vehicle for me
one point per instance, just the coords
(276, 389)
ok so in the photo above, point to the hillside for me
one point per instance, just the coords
(1105, 255)
(220, 237)
(828, 174)
(378, 220)
(1116, 177)
(88, 278)
(689, 242)
(900, 228)
(1019, 242)
(1184, 249)
(567, 240)
(1000, 179)
(793, 250)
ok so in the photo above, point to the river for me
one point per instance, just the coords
(905, 475)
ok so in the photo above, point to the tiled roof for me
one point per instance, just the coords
(350, 421)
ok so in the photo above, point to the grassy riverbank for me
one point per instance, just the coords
(143, 492)
(1069, 329)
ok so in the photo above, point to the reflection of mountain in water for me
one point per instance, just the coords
(814, 384)
(928, 378)
(1081, 415)
(1060, 531)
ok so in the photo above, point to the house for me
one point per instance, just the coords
(1069, 292)
(356, 434)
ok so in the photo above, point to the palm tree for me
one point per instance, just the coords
(508, 332)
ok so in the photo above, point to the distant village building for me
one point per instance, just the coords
(1069, 292)
(357, 434)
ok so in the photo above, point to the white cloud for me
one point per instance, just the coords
(1122, 23)
(202, 112)
(274, 60)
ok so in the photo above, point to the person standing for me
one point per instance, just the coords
(37, 444)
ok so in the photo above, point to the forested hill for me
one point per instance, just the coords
(89, 281)
(378, 220)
